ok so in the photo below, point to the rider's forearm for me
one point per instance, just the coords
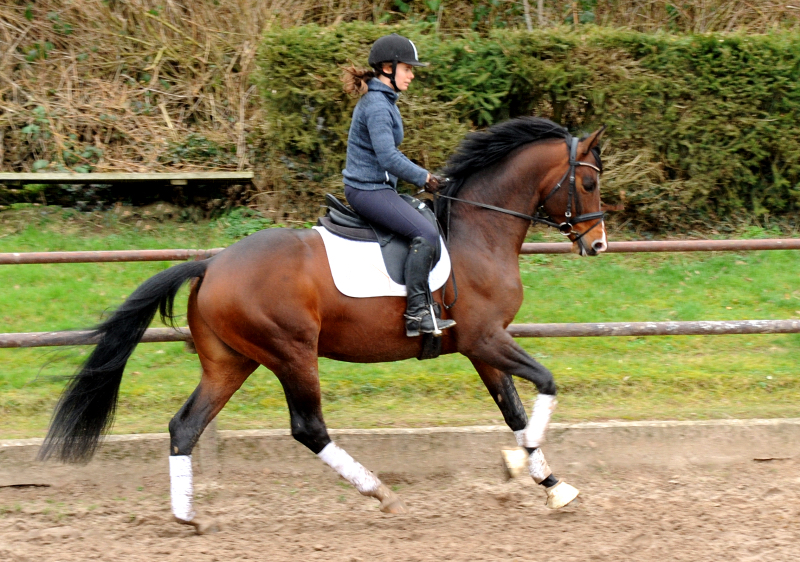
(389, 157)
(397, 164)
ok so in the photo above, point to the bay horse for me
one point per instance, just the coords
(270, 300)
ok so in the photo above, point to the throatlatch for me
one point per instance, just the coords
(391, 76)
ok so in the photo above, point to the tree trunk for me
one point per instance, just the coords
(526, 6)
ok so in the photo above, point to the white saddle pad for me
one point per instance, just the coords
(358, 269)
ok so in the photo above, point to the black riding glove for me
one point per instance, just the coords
(434, 184)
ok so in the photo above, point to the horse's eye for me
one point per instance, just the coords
(589, 184)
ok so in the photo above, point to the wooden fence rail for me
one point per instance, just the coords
(566, 330)
(529, 248)
(592, 329)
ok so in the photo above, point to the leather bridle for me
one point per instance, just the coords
(567, 227)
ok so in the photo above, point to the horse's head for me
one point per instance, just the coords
(563, 180)
(570, 195)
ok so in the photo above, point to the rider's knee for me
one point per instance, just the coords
(431, 235)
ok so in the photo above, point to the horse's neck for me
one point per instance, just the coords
(516, 187)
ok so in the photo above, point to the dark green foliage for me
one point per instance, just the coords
(197, 149)
(701, 127)
(241, 222)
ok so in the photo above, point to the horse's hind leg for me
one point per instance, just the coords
(300, 380)
(224, 371)
(501, 387)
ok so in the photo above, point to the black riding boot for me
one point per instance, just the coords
(420, 303)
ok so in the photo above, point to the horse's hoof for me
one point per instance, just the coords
(561, 495)
(390, 502)
(205, 526)
(202, 525)
(394, 506)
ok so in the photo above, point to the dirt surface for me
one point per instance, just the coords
(737, 512)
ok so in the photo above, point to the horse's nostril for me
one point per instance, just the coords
(599, 246)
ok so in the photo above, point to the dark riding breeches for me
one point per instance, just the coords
(385, 208)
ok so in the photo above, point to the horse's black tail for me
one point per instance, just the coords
(86, 408)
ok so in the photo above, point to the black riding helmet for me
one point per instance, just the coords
(393, 48)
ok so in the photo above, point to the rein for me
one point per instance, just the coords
(567, 227)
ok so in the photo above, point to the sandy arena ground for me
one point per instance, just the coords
(744, 512)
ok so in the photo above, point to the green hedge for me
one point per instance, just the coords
(702, 128)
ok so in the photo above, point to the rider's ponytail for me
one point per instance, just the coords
(355, 80)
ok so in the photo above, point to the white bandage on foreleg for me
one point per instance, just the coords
(538, 467)
(533, 434)
(337, 458)
(181, 489)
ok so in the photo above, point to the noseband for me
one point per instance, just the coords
(567, 227)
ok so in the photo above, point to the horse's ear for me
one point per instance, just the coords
(592, 140)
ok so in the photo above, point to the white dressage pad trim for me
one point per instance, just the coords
(358, 269)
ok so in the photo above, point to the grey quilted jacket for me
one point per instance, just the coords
(373, 159)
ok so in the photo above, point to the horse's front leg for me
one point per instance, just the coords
(529, 434)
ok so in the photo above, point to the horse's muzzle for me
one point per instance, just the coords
(599, 246)
(596, 248)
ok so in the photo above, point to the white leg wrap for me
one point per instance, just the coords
(538, 466)
(337, 458)
(181, 489)
(533, 434)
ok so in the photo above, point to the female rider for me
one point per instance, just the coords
(374, 165)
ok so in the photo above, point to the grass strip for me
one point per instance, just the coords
(675, 377)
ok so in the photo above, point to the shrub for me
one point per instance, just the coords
(241, 222)
(701, 127)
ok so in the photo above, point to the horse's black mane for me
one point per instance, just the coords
(481, 149)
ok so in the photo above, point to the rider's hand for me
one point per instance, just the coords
(433, 184)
